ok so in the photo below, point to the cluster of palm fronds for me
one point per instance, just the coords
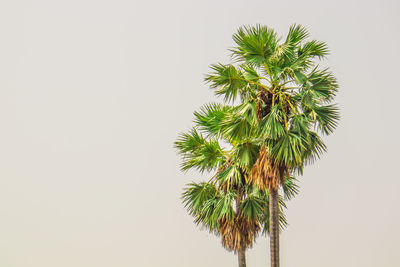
(279, 100)
(228, 204)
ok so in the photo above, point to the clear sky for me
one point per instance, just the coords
(93, 94)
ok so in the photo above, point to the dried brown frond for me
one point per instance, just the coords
(239, 233)
(266, 173)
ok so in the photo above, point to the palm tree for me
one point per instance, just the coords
(286, 101)
(226, 205)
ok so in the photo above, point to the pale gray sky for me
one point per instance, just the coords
(93, 94)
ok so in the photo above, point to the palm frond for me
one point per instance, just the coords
(326, 116)
(245, 154)
(230, 175)
(297, 33)
(271, 125)
(289, 149)
(206, 216)
(322, 84)
(255, 45)
(210, 116)
(198, 152)
(300, 123)
(227, 81)
(314, 48)
(250, 73)
(195, 194)
(290, 188)
(224, 206)
(236, 127)
(315, 148)
(252, 207)
(189, 142)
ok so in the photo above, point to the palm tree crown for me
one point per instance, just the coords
(289, 96)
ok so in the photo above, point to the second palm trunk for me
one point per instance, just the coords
(274, 226)
(242, 257)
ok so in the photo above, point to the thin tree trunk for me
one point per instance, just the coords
(242, 251)
(274, 226)
(242, 257)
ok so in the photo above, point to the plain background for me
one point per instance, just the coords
(93, 94)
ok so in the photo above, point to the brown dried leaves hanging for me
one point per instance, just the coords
(266, 173)
(238, 233)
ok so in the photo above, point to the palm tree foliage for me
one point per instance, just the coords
(285, 101)
(223, 143)
(277, 103)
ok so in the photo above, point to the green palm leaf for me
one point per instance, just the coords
(289, 149)
(327, 117)
(252, 207)
(227, 80)
(255, 44)
(210, 116)
(198, 152)
(245, 154)
(290, 188)
(224, 206)
(196, 194)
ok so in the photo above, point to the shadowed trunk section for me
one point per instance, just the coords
(242, 257)
(274, 226)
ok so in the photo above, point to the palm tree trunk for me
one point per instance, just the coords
(242, 257)
(242, 251)
(274, 227)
